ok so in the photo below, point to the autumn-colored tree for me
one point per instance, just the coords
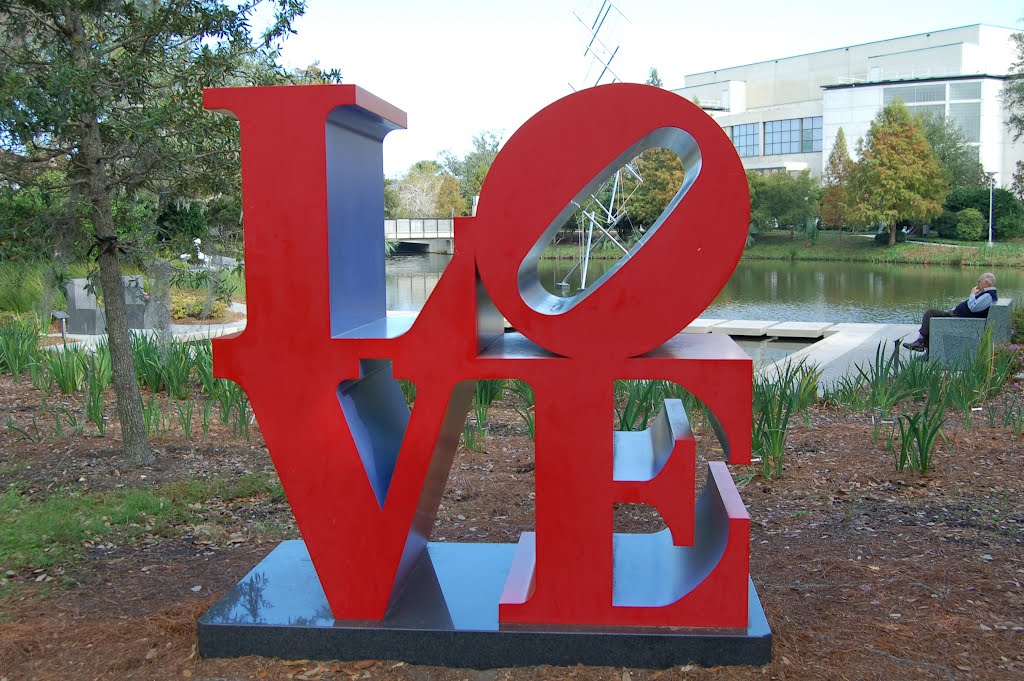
(897, 180)
(427, 191)
(662, 174)
(835, 201)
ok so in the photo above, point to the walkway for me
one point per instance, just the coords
(836, 349)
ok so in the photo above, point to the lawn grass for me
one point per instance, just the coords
(831, 246)
(39, 534)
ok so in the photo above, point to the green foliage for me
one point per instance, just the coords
(97, 379)
(19, 347)
(67, 368)
(790, 389)
(485, 392)
(195, 305)
(181, 222)
(38, 534)
(1007, 210)
(782, 200)
(917, 436)
(663, 176)
(959, 162)
(897, 180)
(21, 286)
(523, 403)
(471, 169)
(884, 392)
(969, 224)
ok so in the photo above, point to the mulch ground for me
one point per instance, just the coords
(864, 573)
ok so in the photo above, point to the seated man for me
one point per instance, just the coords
(977, 304)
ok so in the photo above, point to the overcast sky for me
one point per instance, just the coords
(458, 67)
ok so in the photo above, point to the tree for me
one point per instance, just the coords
(1007, 210)
(110, 93)
(662, 174)
(471, 169)
(653, 78)
(835, 201)
(1013, 98)
(896, 181)
(782, 200)
(959, 162)
(427, 191)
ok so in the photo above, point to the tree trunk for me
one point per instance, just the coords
(126, 388)
(892, 235)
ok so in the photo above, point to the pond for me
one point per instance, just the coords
(769, 290)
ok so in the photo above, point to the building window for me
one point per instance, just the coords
(968, 117)
(810, 134)
(961, 91)
(747, 139)
(792, 136)
(915, 94)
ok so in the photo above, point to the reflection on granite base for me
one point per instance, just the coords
(447, 615)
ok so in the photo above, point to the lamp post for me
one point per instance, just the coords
(991, 186)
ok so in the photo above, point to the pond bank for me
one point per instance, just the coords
(829, 246)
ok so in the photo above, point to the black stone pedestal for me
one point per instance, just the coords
(447, 615)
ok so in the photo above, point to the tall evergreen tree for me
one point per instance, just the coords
(110, 91)
(959, 161)
(896, 181)
(835, 201)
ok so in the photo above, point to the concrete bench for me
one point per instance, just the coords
(85, 316)
(954, 340)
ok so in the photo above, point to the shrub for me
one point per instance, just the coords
(969, 224)
(196, 304)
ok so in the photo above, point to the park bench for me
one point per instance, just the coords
(954, 340)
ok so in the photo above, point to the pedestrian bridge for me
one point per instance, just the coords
(430, 235)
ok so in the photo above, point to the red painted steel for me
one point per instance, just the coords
(291, 365)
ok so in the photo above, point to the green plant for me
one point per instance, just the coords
(185, 410)
(879, 379)
(94, 393)
(408, 390)
(176, 369)
(921, 379)
(67, 368)
(202, 353)
(19, 347)
(523, 404)
(152, 417)
(146, 357)
(33, 436)
(917, 436)
(1013, 415)
(485, 392)
(636, 403)
(969, 224)
(474, 437)
(207, 414)
(847, 393)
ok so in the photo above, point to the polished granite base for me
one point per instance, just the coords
(447, 615)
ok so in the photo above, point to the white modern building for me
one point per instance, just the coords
(784, 114)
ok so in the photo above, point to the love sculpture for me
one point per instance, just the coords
(320, 356)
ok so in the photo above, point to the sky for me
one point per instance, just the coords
(459, 67)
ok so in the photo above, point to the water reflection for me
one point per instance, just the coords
(796, 291)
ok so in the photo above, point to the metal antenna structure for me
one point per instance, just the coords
(603, 210)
